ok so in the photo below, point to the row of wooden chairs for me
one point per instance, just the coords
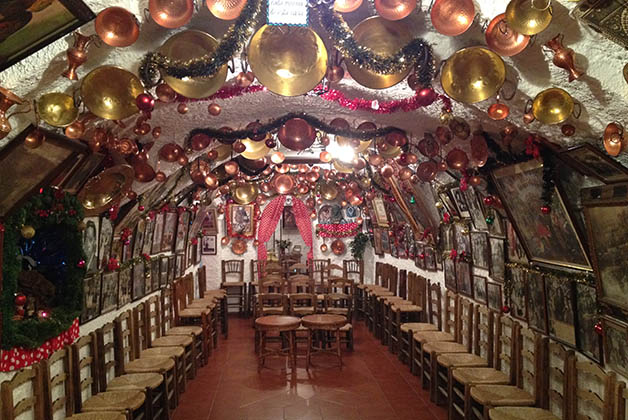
(485, 365)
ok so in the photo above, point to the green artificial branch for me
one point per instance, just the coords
(358, 245)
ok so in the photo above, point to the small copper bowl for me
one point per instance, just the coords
(504, 40)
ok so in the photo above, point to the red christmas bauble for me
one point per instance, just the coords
(20, 299)
(599, 330)
(145, 102)
(505, 309)
(546, 209)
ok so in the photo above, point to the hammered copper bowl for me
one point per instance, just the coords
(288, 60)
(552, 106)
(473, 74)
(106, 188)
(187, 45)
(504, 40)
(245, 194)
(613, 139)
(109, 92)
(57, 109)
(328, 191)
(526, 19)
(238, 247)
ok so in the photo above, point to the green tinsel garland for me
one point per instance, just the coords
(208, 65)
(50, 207)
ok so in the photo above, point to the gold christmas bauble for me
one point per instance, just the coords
(27, 231)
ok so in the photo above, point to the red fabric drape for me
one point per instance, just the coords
(304, 223)
(268, 223)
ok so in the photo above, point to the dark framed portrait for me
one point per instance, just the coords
(588, 341)
(547, 238)
(446, 237)
(460, 202)
(497, 262)
(138, 237)
(109, 292)
(171, 268)
(462, 238)
(386, 246)
(24, 171)
(449, 268)
(561, 311)
(394, 251)
(179, 265)
(163, 271)
(84, 170)
(125, 285)
(182, 231)
(614, 339)
(209, 245)
(140, 286)
(448, 204)
(170, 227)
(591, 161)
(155, 274)
(494, 296)
(605, 210)
(479, 249)
(430, 258)
(209, 225)
(464, 281)
(104, 242)
(377, 241)
(536, 302)
(90, 243)
(241, 220)
(158, 230)
(91, 298)
(480, 292)
(516, 253)
(31, 25)
(127, 249)
(288, 221)
(497, 227)
(419, 256)
(476, 212)
(518, 293)
(148, 235)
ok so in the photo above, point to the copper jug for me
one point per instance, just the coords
(7, 100)
(77, 54)
(564, 57)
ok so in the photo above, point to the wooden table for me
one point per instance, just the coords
(280, 324)
(322, 323)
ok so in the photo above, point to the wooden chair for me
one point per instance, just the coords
(258, 268)
(621, 402)
(401, 312)
(152, 384)
(463, 344)
(557, 405)
(190, 316)
(382, 315)
(271, 296)
(56, 372)
(33, 404)
(233, 282)
(593, 391)
(435, 322)
(301, 297)
(85, 380)
(529, 391)
(219, 314)
(354, 270)
(449, 333)
(506, 338)
(342, 304)
(319, 270)
(369, 291)
(127, 363)
(211, 302)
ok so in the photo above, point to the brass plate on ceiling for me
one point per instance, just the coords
(106, 189)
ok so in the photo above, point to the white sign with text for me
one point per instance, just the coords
(287, 12)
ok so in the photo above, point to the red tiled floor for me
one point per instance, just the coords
(372, 384)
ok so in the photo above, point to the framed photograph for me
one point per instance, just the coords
(386, 247)
(446, 237)
(480, 292)
(155, 275)
(138, 237)
(479, 249)
(561, 311)
(615, 338)
(516, 253)
(330, 214)
(31, 26)
(518, 293)
(588, 341)
(127, 250)
(464, 281)
(288, 222)
(170, 227)
(86, 168)
(209, 226)
(377, 241)
(460, 203)
(419, 256)
(140, 286)
(90, 243)
(116, 247)
(208, 245)
(24, 171)
(536, 302)
(158, 230)
(476, 211)
(241, 220)
(449, 268)
(125, 285)
(550, 238)
(494, 295)
(163, 271)
(104, 242)
(109, 292)
(496, 266)
(430, 258)
(394, 251)
(171, 268)
(148, 236)
(179, 265)
(497, 227)
(182, 231)
(91, 298)
(605, 211)
(591, 161)
(379, 208)
(448, 204)
(462, 239)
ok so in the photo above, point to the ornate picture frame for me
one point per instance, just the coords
(480, 289)
(614, 339)
(449, 269)
(91, 298)
(560, 294)
(480, 250)
(379, 209)
(494, 296)
(241, 220)
(464, 280)
(591, 161)
(536, 302)
(108, 292)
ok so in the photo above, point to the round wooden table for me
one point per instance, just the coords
(322, 323)
(278, 324)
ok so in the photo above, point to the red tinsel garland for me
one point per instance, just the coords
(337, 230)
(409, 104)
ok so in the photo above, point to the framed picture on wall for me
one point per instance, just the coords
(430, 258)
(536, 302)
(179, 265)
(479, 249)
(480, 292)
(476, 211)
(462, 238)
(158, 230)
(518, 293)
(140, 286)
(497, 227)
(171, 268)
(446, 237)
(550, 238)
(125, 285)
(91, 297)
(209, 225)
(170, 227)
(155, 274)
(377, 242)
(448, 203)
(208, 245)
(516, 253)
(241, 220)
(494, 296)
(460, 202)
(163, 272)
(288, 221)
(449, 269)
(104, 242)
(182, 231)
(615, 338)
(560, 294)
(496, 266)
(108, 292)
(138, 237)
(148, 236)
(591, 161)
(386, 246)
(379, 208)
(464, 281)
(90, 243)
(588, 341)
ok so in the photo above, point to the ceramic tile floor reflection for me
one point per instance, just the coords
(372, 384)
